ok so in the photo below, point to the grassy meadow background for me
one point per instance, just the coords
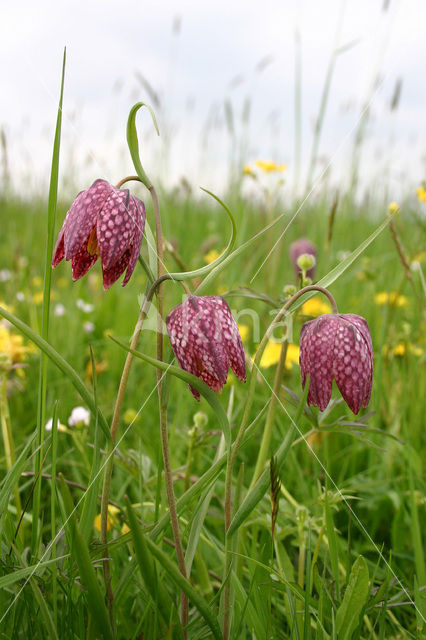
(346, 559)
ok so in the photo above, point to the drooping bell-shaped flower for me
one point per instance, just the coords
(299, 248)
(337, 346)
(206, 341)
(102, 221)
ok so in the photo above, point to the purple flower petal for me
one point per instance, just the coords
(205, 340)
(116, 226)
(81, 218)
(339, 347)
(140, 216)
(81, 262)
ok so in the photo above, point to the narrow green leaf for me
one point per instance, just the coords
(155, 588)
(49, 630)
(197, 600)
(195, 382)
(62, 365)
(356, 594)
(12, 476)
(90, 499)
(42, 388)
(34, 570)
(263, 483)
(95, 598)
(332, 541)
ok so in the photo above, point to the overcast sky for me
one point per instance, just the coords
(187, 59)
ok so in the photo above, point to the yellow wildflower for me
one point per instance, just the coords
(37, 281)
(399, 349)
(292, 356)
(6, 307)
(248, 170)
(315, 306)
(211, 256)
(125, 529)
(393, 299)
(269, 166)
(130, 416)
(393, 206)
(12, 346)
(38, 297)
(272, 354)
(99, 368)
(421, 194)
(415, 350)
(244, 331)
(112, 518)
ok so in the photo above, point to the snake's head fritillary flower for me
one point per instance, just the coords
(205, 340)
(102, 221)
(339, 347)
(301, 247)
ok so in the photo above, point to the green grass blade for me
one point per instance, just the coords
(42, 389)
(62, 365)
(262, 485)
(49, 630)
(89, 505)
(12, 476)
(332, 541)
(54, 452)
(95, 598)
(17, 575)
(197, 600)
(155, 588)
(356, 594)
(195, 382)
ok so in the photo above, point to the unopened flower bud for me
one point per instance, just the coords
(200, 419)
(289, 290)
(306, 261)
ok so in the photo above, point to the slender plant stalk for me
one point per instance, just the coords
(162, 402)
(235, 447)
(270, 418)
(9, 447)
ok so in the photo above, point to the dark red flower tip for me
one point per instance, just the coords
(206, 341)
(298, 248)
(339, 347)
(102, 221)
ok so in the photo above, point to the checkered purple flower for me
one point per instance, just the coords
(206, 341)
(339, 347)
(102, 221)
(297, 249)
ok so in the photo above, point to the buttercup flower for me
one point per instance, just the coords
(299, 248)
(269, 166)
(205, 340)
(102, 221)
(339, 347)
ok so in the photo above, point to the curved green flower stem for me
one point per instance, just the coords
(244, 422)
(127, 179)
